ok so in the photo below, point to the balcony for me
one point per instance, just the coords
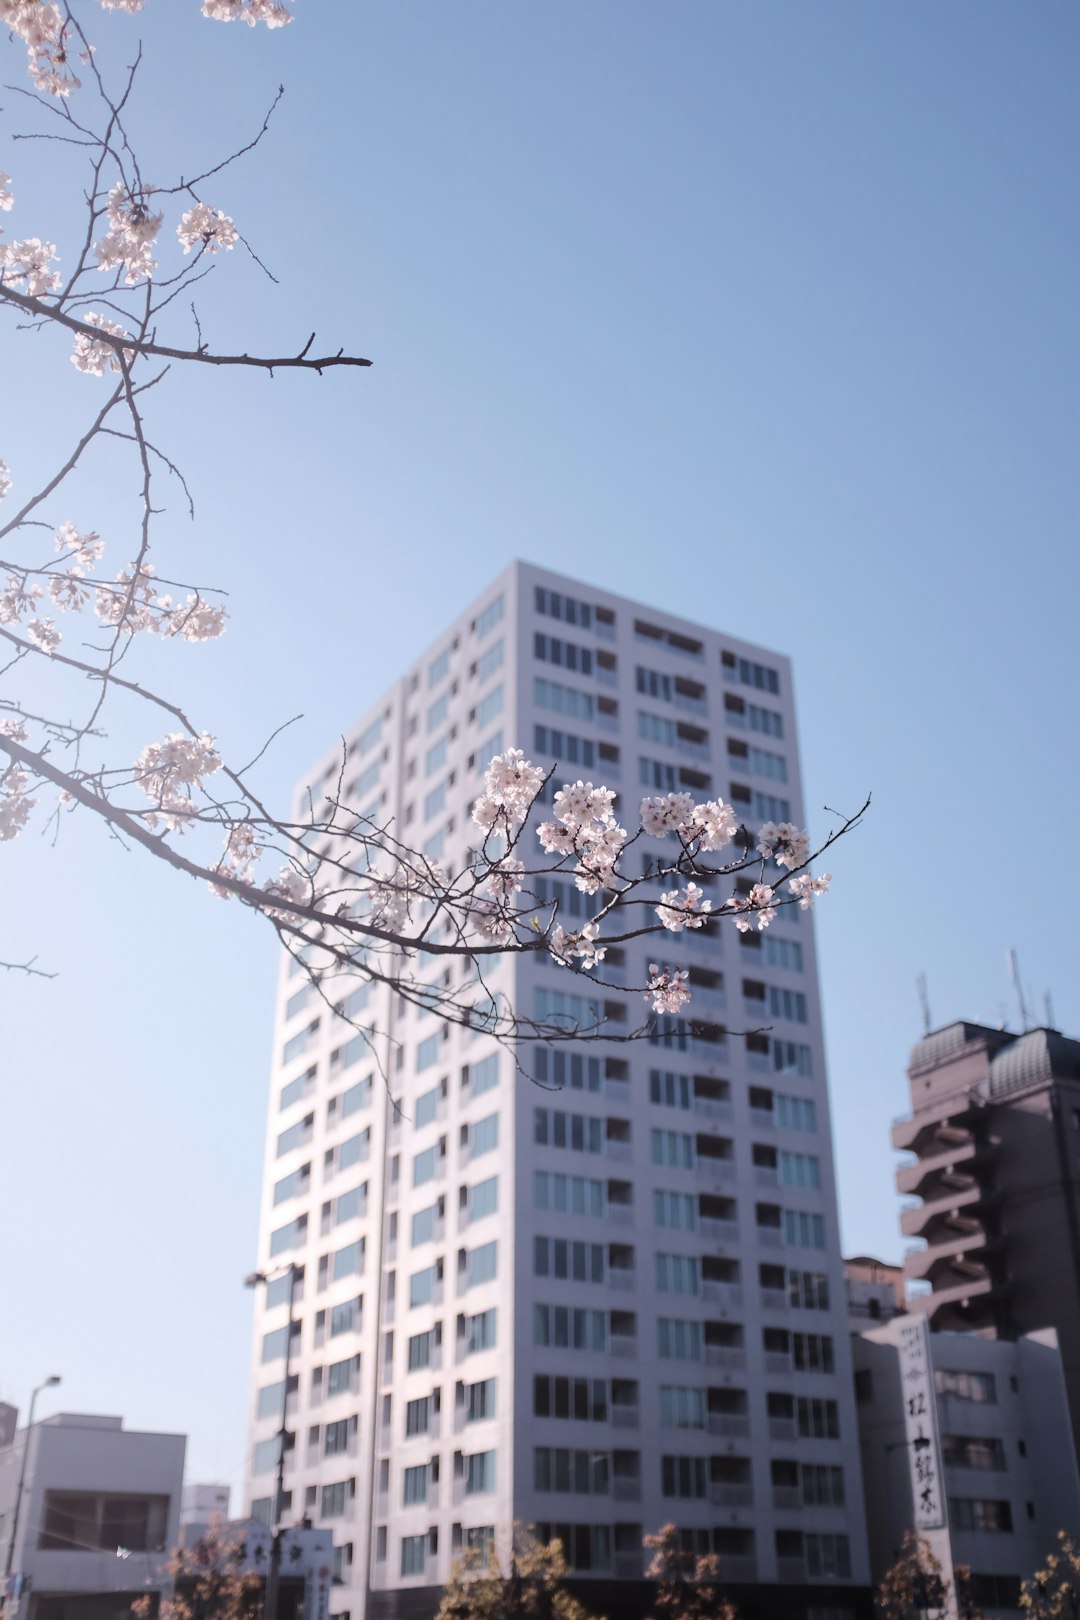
(721, 1293)
(925, 1263)
(719, 1355)
(627, 1565)
(980, 1291)
(782, 1428)
(909, 1133)
(962, 1156)
(712, 1108)
(720, 1231)
(914, 1222)
(625, 1417)
(738, 1570)
(787, 1498)
(791, 1571)
(725, 1494)
(733, 1425)
(711, 1168)
(624, 1489)
(763, 1118)
(621, 1277)
(623, 1345)
(770, 1237)
(777, 1361)
(619, 1152)
(774, 1299)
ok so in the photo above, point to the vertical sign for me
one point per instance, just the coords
(920, 1423)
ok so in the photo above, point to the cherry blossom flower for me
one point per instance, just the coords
(207, 228)
(192, 620)
(668, 812)
(805, 888)
(68, 592)
(44, 33)
(588, 827)
(18, 598)
(242, 851)
(131, 6)
(5, 479)
(679, 909)
(7, 196)
(43, 634)
(667, 990)
(93, 355)
(715, 824)
(82, 550)
(15, 806)
(504, 878)
(492, 923)
(757, 907)
(290, 885)
(511, 783)
(169, 771)
(783, 842)
(270, 12)
(580, 945)
(131, 236)
(29, 261)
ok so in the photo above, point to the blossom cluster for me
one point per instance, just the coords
(42, 29)
(710, 826)
(667, 990)
(270, 12)
(511, 783)
(93, 355)
(208, 228)
(15, 804)
(585, 826)
(170, 771)
(28, 261)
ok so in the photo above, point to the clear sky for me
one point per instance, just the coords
(765, 314)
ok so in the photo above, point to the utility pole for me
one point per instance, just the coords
(273, 1576)
(53, 1378)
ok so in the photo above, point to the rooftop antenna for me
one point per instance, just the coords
(1049, 1005)
(1014, 971)
(924, 998)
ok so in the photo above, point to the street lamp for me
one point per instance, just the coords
(273, 1576)
(53, 1378)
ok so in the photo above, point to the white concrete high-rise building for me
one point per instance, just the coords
(594, 1308)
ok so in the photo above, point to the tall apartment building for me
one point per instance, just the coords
(995, 1134)
(599, 1306)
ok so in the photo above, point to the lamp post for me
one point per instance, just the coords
(273, 1574)
(53, 1378)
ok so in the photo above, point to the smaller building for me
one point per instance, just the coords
(100, 1507)
(203, 1504)
(875, 1291)
(308, 1567)
(967, 1441)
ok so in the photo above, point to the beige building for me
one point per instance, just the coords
(995, 1185)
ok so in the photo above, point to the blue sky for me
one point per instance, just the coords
(765, 315)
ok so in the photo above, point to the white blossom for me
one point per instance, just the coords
(579, 945)
(17, 598)
(93, 355)
(5, 479)
(288, 885)
(492, 923)
(805, 888)
(555, 839)
(40, 26)
(131, 6)
(43, 634)
(29, 261)
(242, 851)
(68, 591)
(208, 228)
(783, 842)
(7, 196)
(757, 907)
(192, 620)
(504, 878)
(511, 783)
(133, 229)
(270, 12)
(667, 990)
(169, 771)
(667, 812)
(15, 806)
(715, 824)
(80, 551)
(679, 909)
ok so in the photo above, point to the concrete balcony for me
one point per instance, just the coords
(787, 1498)
(720, 1231)
(734, 1425)
(738, 1571)
(777, 1361)
(727, 1294)
(770, 1237)
(623, 1345)
(914, 1222)
(782, 1429)
(763, 1119)
(626, 1490)
(909, 1133)
(712, 1108)
(911, 1179)
(620, 1214)
(619, 1152)
(623, 1277)
(711, 1170)
(718, 1355)
(728, 1495)
(791, 1571)
(766, 1176)
(971, 1247)
(774, 1299)
(960, 1299)
(625, 1417)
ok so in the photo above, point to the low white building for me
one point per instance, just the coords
(100, 1506)
(308, 1568)
(202, 1504)
(967, 1441)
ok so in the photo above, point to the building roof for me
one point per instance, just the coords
(1034, 1059)
(942, 1044)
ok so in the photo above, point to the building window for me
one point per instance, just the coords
(479, 1331)
(479, 1473)
(77, 1521)
(678, 1340)
(567, 1327)
(413, 1555)
(965, 1386)
(827, 1556)
(971, 1513)
(966, 1451)
(683, 1477)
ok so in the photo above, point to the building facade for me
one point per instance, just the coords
(100, 1507)
(599, 1303)
(995, 1185)
(966, 1440)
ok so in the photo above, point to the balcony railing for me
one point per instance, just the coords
(724, 1494)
